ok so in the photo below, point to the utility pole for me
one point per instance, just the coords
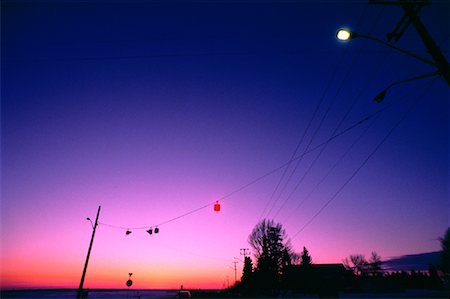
(235, 271)
(80, 293)
(411, 8)
(245, 252)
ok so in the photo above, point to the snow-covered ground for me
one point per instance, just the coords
(112, 294)
(152, 294)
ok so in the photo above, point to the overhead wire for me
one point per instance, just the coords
(324, 116)
(311, 140)
(347, 74)
(228, 195)
(371, 154)
(305, 199)
(303, 136)
(301, 141)
(246, 185)
(157, 55)
(359, 137)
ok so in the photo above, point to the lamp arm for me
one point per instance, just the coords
(435, 73)
(382, 94)
(396, 48)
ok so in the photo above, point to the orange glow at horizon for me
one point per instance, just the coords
(106, 279)
(60, 274)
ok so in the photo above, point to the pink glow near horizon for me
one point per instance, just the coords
(173, 128)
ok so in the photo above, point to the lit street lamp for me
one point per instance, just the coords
(439, 62)
(346, 35)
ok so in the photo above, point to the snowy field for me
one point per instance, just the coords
(112, 294)
(153, 294)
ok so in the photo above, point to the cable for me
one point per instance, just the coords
(312, 139)
(149, 56)
(320, 123)
(335, 69)
(326, 145)
(331, 169)
(420, 97)
(363, 120)
(347, 74)
(301, 139)
(342, 157)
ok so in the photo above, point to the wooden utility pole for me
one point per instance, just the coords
(235, 271)
(244, 251)
(80, 293)
(411, 8)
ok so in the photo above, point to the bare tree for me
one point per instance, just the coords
(357, 263)
(375, 264)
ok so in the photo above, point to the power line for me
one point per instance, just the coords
(158, 55)
(326, 145)
(363, 120)
(314, 135)
(347, 74)
(340, 61)
(403, 117)
(331, 169)
(301, 140)
(349, 148)
(307, 147)
(320, 123)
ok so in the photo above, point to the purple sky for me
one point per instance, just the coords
(152, 110)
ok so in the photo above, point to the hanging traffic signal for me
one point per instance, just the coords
(217, 206)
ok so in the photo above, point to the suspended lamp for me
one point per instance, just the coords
(150, 231)
(217, 206)
(156, 230)
(128, 232)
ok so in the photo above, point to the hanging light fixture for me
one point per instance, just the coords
(156, 230)
(217, 206)
(128, 232)
(150, 231)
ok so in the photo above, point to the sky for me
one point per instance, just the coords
(155, 110)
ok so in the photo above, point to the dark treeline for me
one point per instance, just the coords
(279, 271)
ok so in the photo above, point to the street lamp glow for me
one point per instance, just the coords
(343, 34)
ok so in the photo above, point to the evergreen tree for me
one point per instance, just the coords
(248, 270)
(305, 258)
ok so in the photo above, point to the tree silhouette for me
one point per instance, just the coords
(272, 252)
(357, 263)
(445, 256)
(375, 264)
(247, 284)
(306, 260)
(248, 270)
